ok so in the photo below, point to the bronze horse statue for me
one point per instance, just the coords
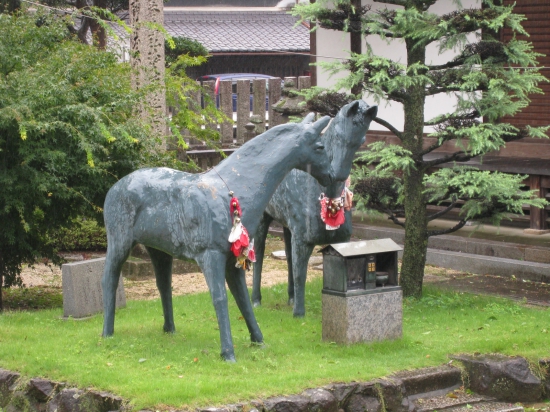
(177, 214)
(295, 204)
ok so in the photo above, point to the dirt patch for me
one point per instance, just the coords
(274, 272)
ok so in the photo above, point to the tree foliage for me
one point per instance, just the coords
(182, 46)
(183, 95)
(67, 133)
(488, 79)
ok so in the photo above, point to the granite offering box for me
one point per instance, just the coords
(361, 301)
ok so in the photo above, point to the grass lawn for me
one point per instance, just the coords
(158, 370)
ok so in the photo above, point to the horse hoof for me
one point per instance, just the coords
(169, 329)
(229, 358)
(299, 315)
(290, 301)
(260, 345)
(256, 304)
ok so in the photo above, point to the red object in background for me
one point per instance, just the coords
(332, 219)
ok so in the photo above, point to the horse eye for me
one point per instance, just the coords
(320, 147)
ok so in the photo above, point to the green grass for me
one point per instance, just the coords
(184, 369)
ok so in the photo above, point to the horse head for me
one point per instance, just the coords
(314, 158)
(343, 138)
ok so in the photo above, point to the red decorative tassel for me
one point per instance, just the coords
(332, 212)
(234, 205)
(241, 246)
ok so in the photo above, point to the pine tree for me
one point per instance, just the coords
(489, 79)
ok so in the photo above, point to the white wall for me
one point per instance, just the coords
(332, 44)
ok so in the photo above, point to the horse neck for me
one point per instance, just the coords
(255, 170)
(332, 142)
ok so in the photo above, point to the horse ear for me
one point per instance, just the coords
(319, 125)
(353, 108)
(308, 119)
(371, 112)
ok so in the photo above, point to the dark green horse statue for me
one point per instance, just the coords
(177, 214)
(295, 203)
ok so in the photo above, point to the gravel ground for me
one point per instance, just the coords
(275, 271)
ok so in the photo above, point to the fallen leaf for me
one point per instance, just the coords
(109, 364)
(195, 359)
(142, 360)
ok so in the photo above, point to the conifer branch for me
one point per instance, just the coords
(452, 117)
(396, 2)
(443, 211)
(394, 218)
(459, 156)
(389, 127)
(456, 227)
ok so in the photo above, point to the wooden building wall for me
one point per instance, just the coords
(537, 113)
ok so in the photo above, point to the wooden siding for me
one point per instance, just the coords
(537, 13)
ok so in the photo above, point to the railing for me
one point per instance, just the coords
(250, 104)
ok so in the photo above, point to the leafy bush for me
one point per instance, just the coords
(83, 234)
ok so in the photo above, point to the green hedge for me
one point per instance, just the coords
(81, 235)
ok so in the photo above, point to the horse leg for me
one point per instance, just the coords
(301, 252)
(259, 246)
(287, 236)
(212, 263)
(162, 263)
(237, 285)
(118, 251)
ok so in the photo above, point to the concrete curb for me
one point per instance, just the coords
(479, 256)
(474, 246)
(487, 265)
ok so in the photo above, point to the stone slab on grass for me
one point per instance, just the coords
(82, 293)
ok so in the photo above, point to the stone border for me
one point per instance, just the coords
(491, 377)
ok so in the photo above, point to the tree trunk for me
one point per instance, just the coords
(416, 223)
(2, 269)
(1, 284)
(10, 6)
(416, 238)
(356, 40)
(99, 35)
(1, 301)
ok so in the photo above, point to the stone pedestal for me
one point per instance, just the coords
(82, 293)
(362, 315)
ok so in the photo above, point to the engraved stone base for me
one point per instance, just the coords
(368, 317)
